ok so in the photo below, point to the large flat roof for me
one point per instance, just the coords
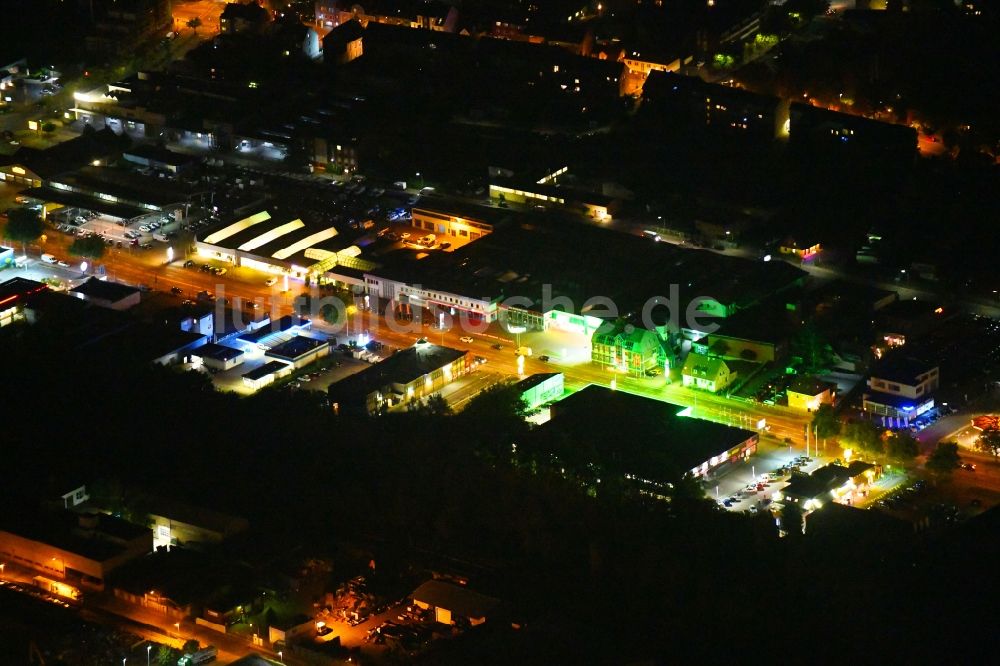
(581, 261)
(636, 435)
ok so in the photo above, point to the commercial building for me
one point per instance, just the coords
(33, 167)
(900, 389)
(265, 374)
(832, 133)
(540, 388)
(410, 374)
(217, 357)
(831, 483)
(709, 373)
(546, 192)
(299, 350)
(285, 244)
(13, 295)
(652, 443)
(453, 604)
(160, 159)
(808, 393)
(448, 219)
(177, 523)
(79, 548)
(107, 294)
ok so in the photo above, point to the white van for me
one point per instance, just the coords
(49, 259)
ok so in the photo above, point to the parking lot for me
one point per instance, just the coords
(750, 486)
(117, 232)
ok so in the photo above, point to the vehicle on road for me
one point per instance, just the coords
(202, 656)
(220, 271)
(188, 264)
(523, 351)
(544, 358)
(176, 290)
(62, 264)
(497, 346)
(271, 281)
(467, 339)
(49, 259)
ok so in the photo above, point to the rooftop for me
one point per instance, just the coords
(402, 368)
(104, 290)
(18, 288)
(459, 600)
(297, 346)
(269, 368)
(534, 380)
(902, 369)
(811, 386)
(218, 352)
(637, 435)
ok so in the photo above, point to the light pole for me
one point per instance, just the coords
(281, 657)
(148, 649)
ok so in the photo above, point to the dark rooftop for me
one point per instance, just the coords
(18, 288)
(642, 436)
(900, 368)
(268, 368)
(402, 367)
(534, 380)
(297, 346)
(218, 352)
(104, 290)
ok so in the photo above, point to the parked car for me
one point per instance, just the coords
(467, 339)
(271, 281)
(189, 263)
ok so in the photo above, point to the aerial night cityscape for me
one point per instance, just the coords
(625, 332)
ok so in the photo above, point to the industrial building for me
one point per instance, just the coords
(79, 548)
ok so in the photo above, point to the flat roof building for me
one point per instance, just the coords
(263, 375)
(79, 548)
(651, 443)
(409, 374)
(107, 294)
(299, 350)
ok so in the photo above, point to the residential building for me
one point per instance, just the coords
(34, 167)
(427, 14)
(627, 348)
(118, 26)
(243, 17)
(709, 373)
(808, 393)
(905, 321)
(671, 101)
(410, 374)
(344, 43)
(828, 132)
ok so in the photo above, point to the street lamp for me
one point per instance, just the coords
(281, 656)
(148, 648)
(170, 254)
